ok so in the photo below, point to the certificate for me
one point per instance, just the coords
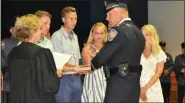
(60, 59)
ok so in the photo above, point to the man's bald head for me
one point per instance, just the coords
(115, 16)
(122, 11)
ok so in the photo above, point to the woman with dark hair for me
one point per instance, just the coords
(32, 70)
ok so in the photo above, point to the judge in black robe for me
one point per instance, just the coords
(32, 74)
(32, 70)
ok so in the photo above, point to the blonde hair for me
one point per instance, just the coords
(26, 25)
(99, 24)
(41, 13)
(67, 10)
(153, 35)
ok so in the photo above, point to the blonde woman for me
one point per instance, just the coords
(31, 68)
(94, 83)
(152, 61)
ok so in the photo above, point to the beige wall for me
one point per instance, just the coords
(168, 18)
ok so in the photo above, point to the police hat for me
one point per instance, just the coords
(162, 43)
(183, 44)
(110, 4)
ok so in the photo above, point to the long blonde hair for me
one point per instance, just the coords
(154, 37)
(98, 24)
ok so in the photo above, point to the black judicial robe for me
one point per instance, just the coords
(32, 73)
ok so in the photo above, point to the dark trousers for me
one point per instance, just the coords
(166, 87)
(123, 89)
(5, 96)
(181, 93)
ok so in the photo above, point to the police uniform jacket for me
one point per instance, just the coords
(179, 64)
(123, 46)
(6, 46)
(167, 66)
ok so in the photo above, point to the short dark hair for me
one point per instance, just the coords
(162, 43)
(183, 45)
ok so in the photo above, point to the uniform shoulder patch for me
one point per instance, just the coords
(112, 34)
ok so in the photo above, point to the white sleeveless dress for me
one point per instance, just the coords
(94, 84)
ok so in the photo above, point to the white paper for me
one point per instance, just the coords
(60, 59)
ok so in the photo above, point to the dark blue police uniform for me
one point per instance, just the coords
(120, 57)
(7, 45)
(178, 66)
(165, 79)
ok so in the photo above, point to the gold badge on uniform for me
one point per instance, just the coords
(112, 34)
(2, 44)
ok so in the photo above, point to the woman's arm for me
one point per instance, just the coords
(69, 67)
(155, 77)
(86, 58)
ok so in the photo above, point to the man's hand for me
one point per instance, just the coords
(59, 72)
(166, 72)
(183, 70)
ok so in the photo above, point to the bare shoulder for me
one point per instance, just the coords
(85, 49)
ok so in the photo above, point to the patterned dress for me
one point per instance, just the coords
(94, 84)
(154, 93)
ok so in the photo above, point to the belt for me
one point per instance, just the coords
(125, 69)
(135, 69)
(75, 74)
(132, 69)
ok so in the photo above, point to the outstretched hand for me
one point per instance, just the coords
(82, 70)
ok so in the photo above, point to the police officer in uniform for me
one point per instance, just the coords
(180, 73)
(165, 77)
(6, 46)
(121, 55)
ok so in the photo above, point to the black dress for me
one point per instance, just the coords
(33, 77)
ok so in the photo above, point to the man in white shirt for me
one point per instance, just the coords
(66, 41)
